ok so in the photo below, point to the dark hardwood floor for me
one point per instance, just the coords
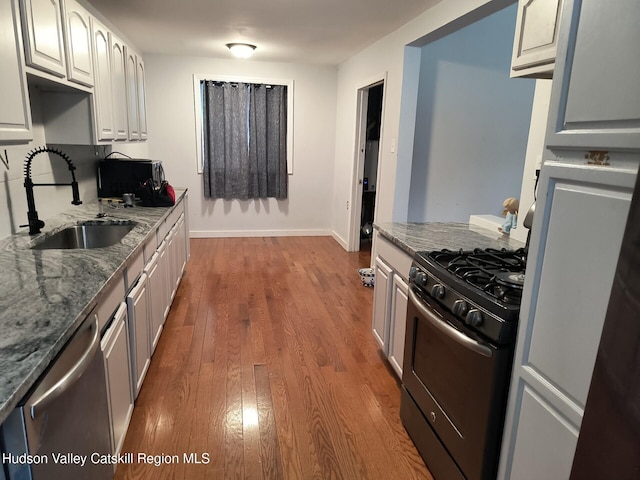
(267, 365)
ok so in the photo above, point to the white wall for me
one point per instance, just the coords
(171, 121)
(396, 144)
(472, 123)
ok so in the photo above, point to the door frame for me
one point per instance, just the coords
(362, 95)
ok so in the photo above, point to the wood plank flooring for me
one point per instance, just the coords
(267, 365)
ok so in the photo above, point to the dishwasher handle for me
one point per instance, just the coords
(70, 377)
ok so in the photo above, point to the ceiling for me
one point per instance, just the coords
(297, 31)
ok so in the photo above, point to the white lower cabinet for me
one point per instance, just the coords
(383, 274)
(399, 300)
(391, 267)
(138, 308)
(156, 283)
(117, 364)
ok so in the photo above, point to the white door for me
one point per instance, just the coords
(137, 303)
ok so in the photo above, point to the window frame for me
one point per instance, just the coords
(197, 105)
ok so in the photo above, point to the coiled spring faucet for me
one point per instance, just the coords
(35, 224)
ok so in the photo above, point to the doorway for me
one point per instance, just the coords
(369, 127)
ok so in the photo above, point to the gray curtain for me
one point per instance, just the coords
(245, 140)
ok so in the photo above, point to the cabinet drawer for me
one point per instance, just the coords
(396, 258)
(109, 301)
(150, 247)
(134, 267)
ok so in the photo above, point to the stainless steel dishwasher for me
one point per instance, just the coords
(61, 428)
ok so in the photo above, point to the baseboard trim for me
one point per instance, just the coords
(258, 233)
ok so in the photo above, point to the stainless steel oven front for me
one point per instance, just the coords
(454, 391)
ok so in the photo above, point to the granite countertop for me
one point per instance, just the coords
(46, 294)
(416, 237)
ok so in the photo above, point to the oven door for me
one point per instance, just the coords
(459, 383)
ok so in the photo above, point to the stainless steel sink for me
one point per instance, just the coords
(85, 236)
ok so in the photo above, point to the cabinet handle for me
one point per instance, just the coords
(448, 330)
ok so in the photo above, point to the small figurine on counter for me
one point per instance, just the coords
(510, 213)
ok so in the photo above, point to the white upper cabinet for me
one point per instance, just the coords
(119, 88)
(136, 96)
(43, 38)
(102, 95)
(142, 100)
(131, 68)
(15, 114)
(534, 46)
(77, 35)
(595, 100)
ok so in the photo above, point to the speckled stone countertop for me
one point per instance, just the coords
(416, 237)
(46, 294)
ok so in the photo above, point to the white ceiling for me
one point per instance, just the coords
(296, 31)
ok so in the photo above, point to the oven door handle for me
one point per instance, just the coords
(448, 330)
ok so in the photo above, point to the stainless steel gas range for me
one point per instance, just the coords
(461, 330)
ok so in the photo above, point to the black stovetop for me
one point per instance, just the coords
(489, 279)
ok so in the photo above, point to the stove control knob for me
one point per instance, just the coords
(460, 308)
(412, 273)
(437, 291)
(474, 317)
(421, 279)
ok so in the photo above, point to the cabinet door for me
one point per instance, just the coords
(102, 95)
(381, 303)
(399, 300)
(131, 68)
(576, 236)
(535, 43)
(163, 266)
(119, 88)
(595, 98)
(15, 114)
(142, 99)
(43, 39)
(157, 298)
(77, 34)
(115, 345)
(138, 306)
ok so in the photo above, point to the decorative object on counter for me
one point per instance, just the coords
(153, 195)
(510, 213)
(35, 224)
(367, 276)
(127, 199)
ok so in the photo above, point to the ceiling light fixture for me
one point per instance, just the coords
(241, 50)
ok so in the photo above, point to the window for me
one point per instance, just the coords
(244, 136)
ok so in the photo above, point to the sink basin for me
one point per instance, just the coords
(85, 236)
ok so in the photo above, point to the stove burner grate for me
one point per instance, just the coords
(498, 273)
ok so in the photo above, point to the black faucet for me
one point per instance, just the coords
(35, 224)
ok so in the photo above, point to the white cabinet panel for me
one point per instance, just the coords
(577, 232)
(399, 300)
(381, 303)
(102, 95)
(115, 345)
(77, 35)
(546, 441)
(595, 101)
(535, 44)
(43, 38)
(131, 68)
(138, 309)
(576, 277)
(142, 98)
(155, 271)
(119, 88)
(15, 114)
